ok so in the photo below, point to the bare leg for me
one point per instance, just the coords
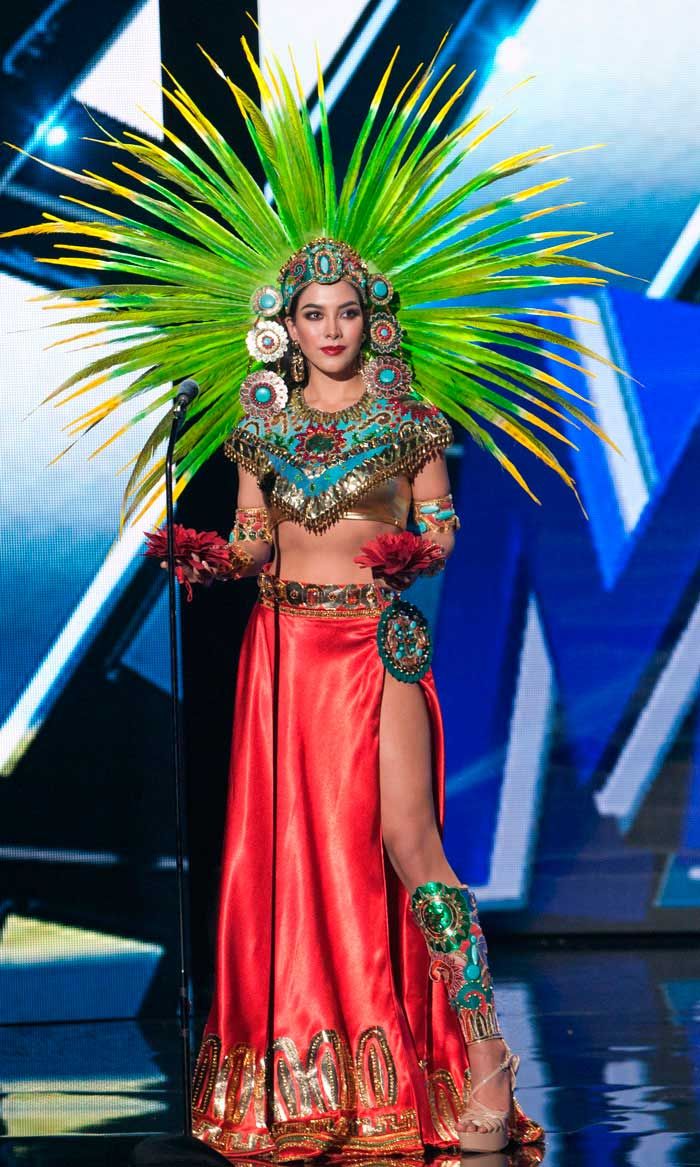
(411, 837)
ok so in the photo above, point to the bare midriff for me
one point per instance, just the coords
(326, 557)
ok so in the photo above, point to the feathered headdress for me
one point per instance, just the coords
(210, 242)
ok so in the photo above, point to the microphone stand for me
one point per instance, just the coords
(184, 1005)
(158, 1151)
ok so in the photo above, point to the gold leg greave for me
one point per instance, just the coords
(449, 920)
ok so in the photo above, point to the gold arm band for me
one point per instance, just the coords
(435, 514)
(252, 523)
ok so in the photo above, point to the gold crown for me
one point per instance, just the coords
(322, 261)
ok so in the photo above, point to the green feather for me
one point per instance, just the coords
(200, 235)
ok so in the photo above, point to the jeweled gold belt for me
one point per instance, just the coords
(352, 599)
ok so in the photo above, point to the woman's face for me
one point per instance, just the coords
(329, 327)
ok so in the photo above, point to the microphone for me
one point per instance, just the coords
(186, 392)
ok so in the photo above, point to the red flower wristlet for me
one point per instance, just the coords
(399, 558)
(200, 556)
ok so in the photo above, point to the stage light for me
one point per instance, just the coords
(510, 54)
(55, 135)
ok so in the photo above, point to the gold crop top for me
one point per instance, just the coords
(388, 502)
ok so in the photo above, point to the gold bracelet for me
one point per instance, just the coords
(240, 561)
(251, 523)
(435, 514)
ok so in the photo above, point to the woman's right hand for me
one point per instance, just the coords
(201, 557)
(239, 563)
(202, 571)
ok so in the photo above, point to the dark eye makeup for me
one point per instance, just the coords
(312, 313)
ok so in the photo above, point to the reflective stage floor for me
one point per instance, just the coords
(609, 1040)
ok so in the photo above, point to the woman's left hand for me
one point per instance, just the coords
(400, 558)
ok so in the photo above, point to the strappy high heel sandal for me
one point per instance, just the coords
(496, 1124)
(448, 917)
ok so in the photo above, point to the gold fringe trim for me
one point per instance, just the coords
(320, 512)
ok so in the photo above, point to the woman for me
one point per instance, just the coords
(339, 912)
(318, 958)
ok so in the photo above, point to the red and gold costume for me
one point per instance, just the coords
(319, 960)
(329, 1031)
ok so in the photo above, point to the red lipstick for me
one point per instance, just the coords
(333, 350)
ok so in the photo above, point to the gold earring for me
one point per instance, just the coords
(298, 364)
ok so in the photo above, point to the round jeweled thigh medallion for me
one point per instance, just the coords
(403, 639)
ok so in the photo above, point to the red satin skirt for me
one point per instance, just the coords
(326, 1034)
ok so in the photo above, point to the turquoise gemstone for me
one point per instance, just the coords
(325, 264)
(387, 376)
(422, 527)
(445, 514)
(472, 972)
(380, 289)
(263, 393)
(428, 509)
(267, 300)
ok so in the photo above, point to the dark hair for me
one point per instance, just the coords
(286, 360)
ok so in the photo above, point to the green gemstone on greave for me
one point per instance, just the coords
(439, 916)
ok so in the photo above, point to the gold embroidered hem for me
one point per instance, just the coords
(327, 1102)
(388, 1134)
(228, 1098)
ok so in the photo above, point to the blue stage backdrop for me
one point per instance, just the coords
(568, 654)
(567, 644)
